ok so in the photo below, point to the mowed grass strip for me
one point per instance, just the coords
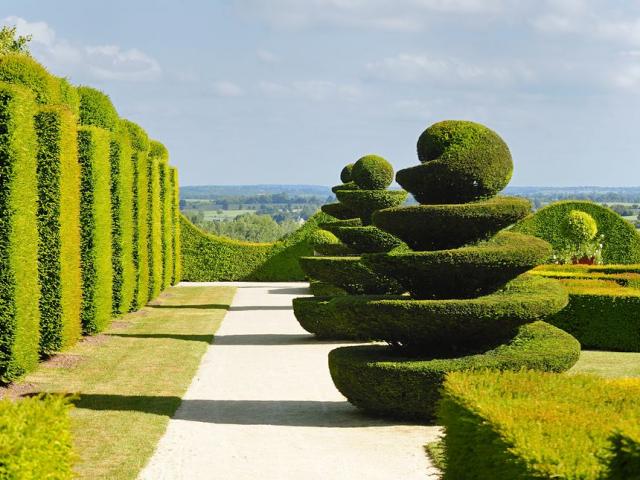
(129, 380)
(608, 364)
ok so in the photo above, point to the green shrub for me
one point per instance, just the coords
(621, 243)
(333, 225)
(69, 96)
(326, 243)
(462, 272)
(345, 174)
(157, 155)
(122, 221)
(436, 227)
(372, 172)
(322, 289)
(35, 439)
(210, 258)
(385, 383)
(461, 162)
(178, 259)
(345, 186)
(625, 452)
(59, 273)
(167, 224)
(511, 425)
(365, 202)
(338, 210)
(19, 289)
(96, 109)
(20, 69)
(95, 224)
(367, 239)
(602, 316)
(580, 226)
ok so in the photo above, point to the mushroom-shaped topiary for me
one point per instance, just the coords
(471, 304)
(372, 172)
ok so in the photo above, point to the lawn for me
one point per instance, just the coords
(130, 379)
(608, 364)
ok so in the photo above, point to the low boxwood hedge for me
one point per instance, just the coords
(368, 239)
(35, 439)
(462, 272)
(322, 289)
(439, 227)
(508, 425)
(365, 202)
(436, 326)
(621, 243)
(19, 289)
(375, 379)
(624, 275)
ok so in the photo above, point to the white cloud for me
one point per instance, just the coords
(313, 90)
(102, 62)
(227, 89)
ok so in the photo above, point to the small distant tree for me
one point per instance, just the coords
(11, 42)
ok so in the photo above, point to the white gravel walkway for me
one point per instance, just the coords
(263, 406)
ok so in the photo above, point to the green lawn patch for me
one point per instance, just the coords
(129, 380)
(608, 364)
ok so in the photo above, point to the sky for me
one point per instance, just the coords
(289, 91)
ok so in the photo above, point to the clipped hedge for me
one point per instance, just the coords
(167, 198)
(122, 224)
(365, 202)
(385, 383)
(368, 239)
(158, 156)
(210, 258)
(624, 275)
(35, 439)
(19, 289)
(20, 69)
(95, 222)
(508, 425)
(96, 109)
(178, 258)
(621, 241)
(371, 172)
(59, 273)
(338, 211)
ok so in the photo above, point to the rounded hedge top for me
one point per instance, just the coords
(139, 138)
(462, 161)
(23, 70)
(96, 109)
(69, 95)
(345, 174)
(580, 226)
(372, 172)
(158, 150)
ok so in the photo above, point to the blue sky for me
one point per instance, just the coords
(288, 91)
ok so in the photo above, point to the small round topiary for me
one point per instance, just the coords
(372, 172)
(345, 174)
(580, 226)
(323, 237)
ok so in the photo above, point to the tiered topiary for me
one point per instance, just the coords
(471, 306)
(340, 270)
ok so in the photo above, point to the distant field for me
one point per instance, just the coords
(224, 214)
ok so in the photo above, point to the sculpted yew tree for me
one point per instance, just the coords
(470, 304)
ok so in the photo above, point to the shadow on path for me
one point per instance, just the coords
(273, 339)
(203, 306)
(250, 308)
(289, 291)
(176, 336)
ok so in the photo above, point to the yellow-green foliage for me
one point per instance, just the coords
(139, 148)
(177, 230)
(20, 69)
(157, 155)
(124, 276)
(167, 224)
(59, 229)
(69, 96)
(95, 221)
(96, 109)
(19, 290)
(35, 439)
(509, 425)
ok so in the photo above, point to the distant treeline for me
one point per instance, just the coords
(212, 192)
(543, 195)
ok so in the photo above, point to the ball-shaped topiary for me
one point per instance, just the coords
(580, 226)
(345, 174)
(372, 172)
(461, 162)
(96, 109)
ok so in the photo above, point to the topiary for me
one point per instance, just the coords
(470, 306)
(345, 174)
(580, 226)
(96, 109)
(20, 69)
(372, 172)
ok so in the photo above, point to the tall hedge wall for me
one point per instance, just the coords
(157, 155)
(95, 220)
(59, 229)
(19, 289)
(167, 224)
(210, 258)
(177, 230)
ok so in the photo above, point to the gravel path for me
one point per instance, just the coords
(263, 406)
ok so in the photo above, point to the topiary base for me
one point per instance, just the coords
(382, 383)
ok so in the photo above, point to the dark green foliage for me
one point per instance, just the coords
(19, 289)
(533, 425)
(322, 289)
(35, 439)
(97, 110)
(621, 243)
(601, 315)
(349, 274)
(372, 172)
(365, 202)
(461, 162)
(326, 243)
(435, 227)
(345, 186)
(367, 239)
(332, 225)
(382, 382)
(209, 258)
(58, 228)
(345, 174)
(95, 223)
(436, 326)
(338, 210)
(463, 272)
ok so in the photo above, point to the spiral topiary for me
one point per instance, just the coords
(471, 304)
